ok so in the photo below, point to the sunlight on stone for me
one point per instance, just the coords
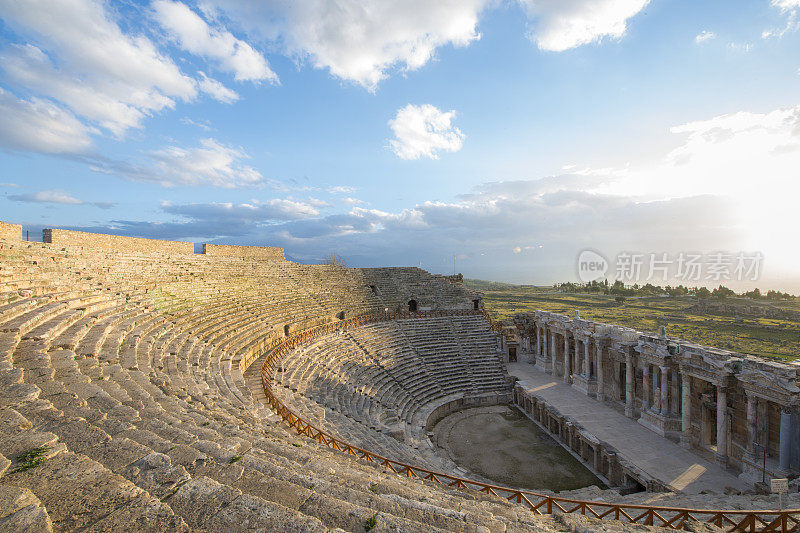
(688, 476)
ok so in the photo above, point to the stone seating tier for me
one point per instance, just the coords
(126, 372)
(382, 376)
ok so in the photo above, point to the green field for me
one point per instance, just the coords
(767, 337)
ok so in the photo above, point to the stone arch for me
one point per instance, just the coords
(412, 305)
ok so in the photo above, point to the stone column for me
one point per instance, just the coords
(686, 411)
(752, 406)
(538, 341)
(645, 387)
(675, 394)
(721, 456)
(598, 365)
(785, 442)
(664, 390)
(566, 358)
(629, 375)
(656, 403)
(587, 362)
(551, 339)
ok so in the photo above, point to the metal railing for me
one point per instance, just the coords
(670, 517)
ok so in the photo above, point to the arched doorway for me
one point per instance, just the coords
(412, 306)
(286, 330)
(340, 315)
(476, 304)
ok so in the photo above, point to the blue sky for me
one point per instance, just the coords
(511, 135)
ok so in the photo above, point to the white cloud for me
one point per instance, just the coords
(211, 163)
(217, 90)
(560, 25)
(730, 184)
(786, 5)
(704, 36)
(39, 126)
(316, 202)
(56, 196)
(30, 67)
(103, 74)
(423, 131)
(341, 189)
(194, 34)
(352, 201)
(204, 125)
(49, 196)
(252, 212)
(358, 40)
(791, 8)
(740, 47)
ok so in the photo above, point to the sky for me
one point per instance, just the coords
(499, 139)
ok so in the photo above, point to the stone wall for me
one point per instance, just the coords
(468, 402)
(115, 243)
(251, 252)
(11, 232)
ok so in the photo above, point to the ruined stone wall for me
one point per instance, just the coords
(115, 243)
(251, 252)
(11, 232)
(396, 286)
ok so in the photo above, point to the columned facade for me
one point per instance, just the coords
(739, 411)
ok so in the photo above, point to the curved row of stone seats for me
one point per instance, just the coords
(144, 423)
(337, 289)
(384, 379)
(329, 419)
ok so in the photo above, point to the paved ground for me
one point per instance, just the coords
(521, 454)
(657, 456)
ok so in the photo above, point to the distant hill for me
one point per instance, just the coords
(483, 285)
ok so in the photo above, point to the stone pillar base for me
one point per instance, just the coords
(601, 396)
(666, 426)
(753, 469)
(721, 460)
(588, 386)
(686, 441)
(545, 365)
(628, 410)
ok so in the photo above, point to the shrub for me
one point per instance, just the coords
(371, 522)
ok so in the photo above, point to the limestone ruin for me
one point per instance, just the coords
(741, 411)
(134, 377)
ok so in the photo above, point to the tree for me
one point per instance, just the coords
(335, 260)
(722, 292)
(755, 294)
(703, 293)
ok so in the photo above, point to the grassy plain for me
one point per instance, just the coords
(766, 337)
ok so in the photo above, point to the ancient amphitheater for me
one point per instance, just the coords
(145, 387)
